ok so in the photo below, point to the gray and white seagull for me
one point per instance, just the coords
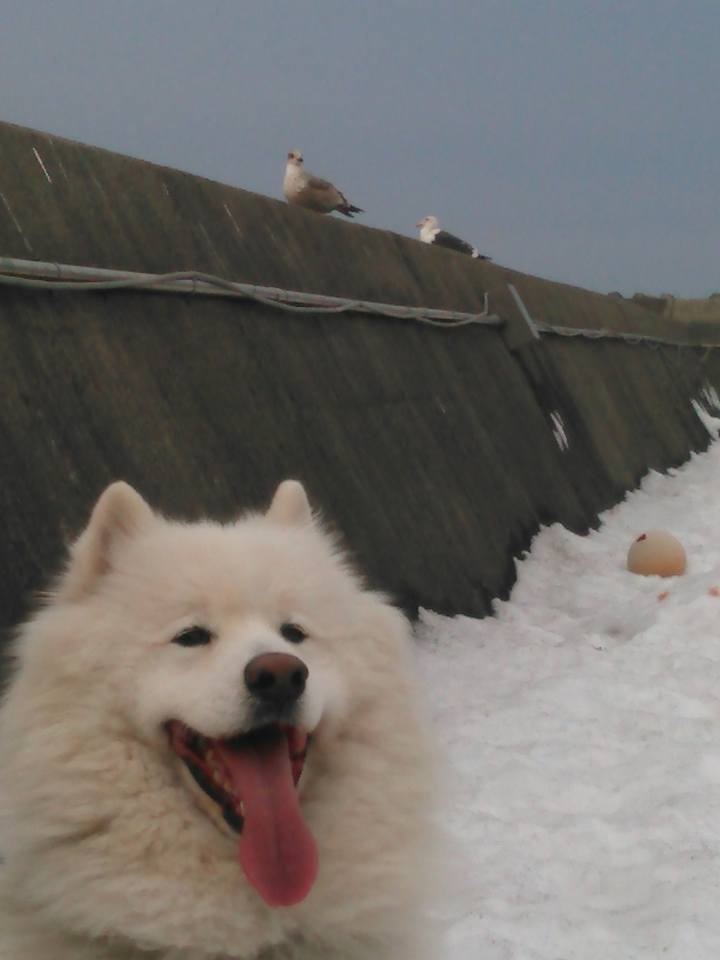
(306, 190)
(430, 232)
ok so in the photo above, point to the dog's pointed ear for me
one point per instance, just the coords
(290, 505)
(118, 515)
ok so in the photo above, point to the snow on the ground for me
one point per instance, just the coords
(582, 729)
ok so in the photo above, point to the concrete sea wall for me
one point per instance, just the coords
(437, 452)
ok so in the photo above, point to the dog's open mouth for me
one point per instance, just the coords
(253, 778)
(212, 761)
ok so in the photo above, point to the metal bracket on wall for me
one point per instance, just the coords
(520, 329)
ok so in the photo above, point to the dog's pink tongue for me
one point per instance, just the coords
(277, 851)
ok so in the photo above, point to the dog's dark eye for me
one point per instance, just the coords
(293, 633)
(193, 637)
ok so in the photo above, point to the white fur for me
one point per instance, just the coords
(107, 854)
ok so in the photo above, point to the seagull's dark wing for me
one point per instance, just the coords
(444, 239)
(317, 183)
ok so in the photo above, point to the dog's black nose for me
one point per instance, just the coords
(276, 678)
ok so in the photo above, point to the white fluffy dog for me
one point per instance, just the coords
(210, 749)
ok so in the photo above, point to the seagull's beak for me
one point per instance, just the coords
(421, 224)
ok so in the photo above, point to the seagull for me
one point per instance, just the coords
(308, 191)
(430, 232)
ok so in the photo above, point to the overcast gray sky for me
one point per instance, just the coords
(574, 139)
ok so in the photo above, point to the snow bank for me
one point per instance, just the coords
(583, 726)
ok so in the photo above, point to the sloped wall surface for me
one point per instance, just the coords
(437, 452)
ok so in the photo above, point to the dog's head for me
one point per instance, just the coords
(194, 694)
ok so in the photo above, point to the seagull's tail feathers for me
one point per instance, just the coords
(348, 209)
(479, 256)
